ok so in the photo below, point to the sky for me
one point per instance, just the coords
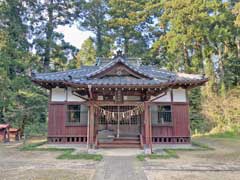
(73, 35)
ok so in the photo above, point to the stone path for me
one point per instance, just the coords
(120, 168)
(150, 166)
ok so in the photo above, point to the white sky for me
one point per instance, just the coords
(73, 35)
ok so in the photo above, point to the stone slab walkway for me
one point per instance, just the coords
(150, 166)
(120, 168)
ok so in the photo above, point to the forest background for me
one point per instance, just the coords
(192, 36)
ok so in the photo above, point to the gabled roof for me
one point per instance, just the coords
(119, 61)
(141, 75)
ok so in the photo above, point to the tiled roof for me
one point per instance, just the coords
(3, 126)
(86, 75)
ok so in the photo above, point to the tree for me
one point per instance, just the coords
(15, 63)
(125, 22)
(91, 16)
(86, 55)
(45, 17)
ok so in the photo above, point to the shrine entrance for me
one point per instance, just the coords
(122, 121)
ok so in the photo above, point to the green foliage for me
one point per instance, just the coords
(236, 11)
(172, 153)
(128, 21)
(66, 152)
(223, 110)
(68, 155)
(86, 55)
(21, 103)
(232, 134)
(92, 16)
(201, 146)
(44, 17)
(32, 146)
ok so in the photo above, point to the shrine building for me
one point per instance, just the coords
(118, 103)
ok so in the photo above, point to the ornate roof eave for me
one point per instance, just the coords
(187, 84)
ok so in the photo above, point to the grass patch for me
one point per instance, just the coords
(227, 135)
(201, 146)
(172, 153)
(32, 146)
(230, 134)
(66, 152)
(69, 155)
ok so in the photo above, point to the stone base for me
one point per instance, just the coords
(147, 150)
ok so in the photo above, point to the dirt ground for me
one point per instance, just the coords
(223, 163)
(36, 165)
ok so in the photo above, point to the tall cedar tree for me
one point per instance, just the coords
(91, 16)
(21, 103)
(44, 18)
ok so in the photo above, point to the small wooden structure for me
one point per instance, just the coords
(118, 103)
(14, 134)
(4, 132)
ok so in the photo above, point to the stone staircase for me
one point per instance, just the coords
(121, 142)
(109, 140)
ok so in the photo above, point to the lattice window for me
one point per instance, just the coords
(77, 115)
(161, 114)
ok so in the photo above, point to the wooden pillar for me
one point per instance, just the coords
(150, 129)
(146, 124)
(91, 125)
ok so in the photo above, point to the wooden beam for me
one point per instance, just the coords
(74, 93)
(90, 91)
(160, 95)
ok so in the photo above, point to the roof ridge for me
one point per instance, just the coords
(115, 61)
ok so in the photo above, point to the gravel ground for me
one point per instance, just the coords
(223, 163)
(36, 165)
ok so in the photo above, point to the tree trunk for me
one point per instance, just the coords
(126, 41)
(99, 42)
(221, 70)
(238, 46)
(49, 37)
(186, 58)
(201, 56)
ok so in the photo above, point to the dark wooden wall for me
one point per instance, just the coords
(58, 131)
(178, 131)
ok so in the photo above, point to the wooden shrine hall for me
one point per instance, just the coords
(118, 103)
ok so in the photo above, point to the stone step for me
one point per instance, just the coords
(125, 142)
(111, 145)
(127, 138)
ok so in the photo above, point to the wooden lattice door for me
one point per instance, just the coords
(127, 126)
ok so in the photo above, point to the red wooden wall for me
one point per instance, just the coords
(178, 131)
(58, 131)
